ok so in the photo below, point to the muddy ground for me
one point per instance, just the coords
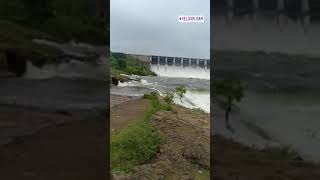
(69, 148)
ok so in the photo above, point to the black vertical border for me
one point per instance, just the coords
(107, 123)
(211, 87)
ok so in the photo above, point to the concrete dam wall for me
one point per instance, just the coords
(285, 26)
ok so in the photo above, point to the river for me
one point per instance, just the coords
(280, 106)
(195, 79)
(69, 87)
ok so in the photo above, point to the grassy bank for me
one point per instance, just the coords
(125, 64)
(138, 143)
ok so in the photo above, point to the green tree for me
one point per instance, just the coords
(122, 63)
(230, 90)
(181, 90)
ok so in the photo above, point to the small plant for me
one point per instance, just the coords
(181, 90)
(231, 90)
(168, 99)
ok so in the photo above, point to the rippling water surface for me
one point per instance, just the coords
(195, 79)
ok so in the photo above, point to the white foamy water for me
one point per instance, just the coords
(72, 69)
(197, 95)
(291, 121)
(287, 121)
(195, 99)
(179, 71)
(266, 34)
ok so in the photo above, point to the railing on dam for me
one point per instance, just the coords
(282, 26)
(307, 11)
(178, 61)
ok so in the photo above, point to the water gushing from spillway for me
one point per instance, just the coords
(195, 79)
(266, 34)
(182, 72)
(72, 69)
(267, 119)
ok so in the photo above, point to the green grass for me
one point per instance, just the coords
(126, 64)
(136, 144)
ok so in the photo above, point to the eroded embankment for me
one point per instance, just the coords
(184, 150)
(235, 161)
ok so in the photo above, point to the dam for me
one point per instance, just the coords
(284, 26)
(178, 61)
(268, 44)
(178, 67)
(173, 61)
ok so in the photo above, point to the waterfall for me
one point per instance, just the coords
(181, 71)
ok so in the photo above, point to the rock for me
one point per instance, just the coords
(115, 81)
(16, 62)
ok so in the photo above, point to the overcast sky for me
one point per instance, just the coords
(151, 27)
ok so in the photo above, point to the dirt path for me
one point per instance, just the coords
(75, 150)
(122, 114)
(115, 99)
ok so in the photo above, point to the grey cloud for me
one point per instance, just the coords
(151, 27)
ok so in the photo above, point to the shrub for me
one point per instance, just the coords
(181, 90)
(231, 90)
(168, 99)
